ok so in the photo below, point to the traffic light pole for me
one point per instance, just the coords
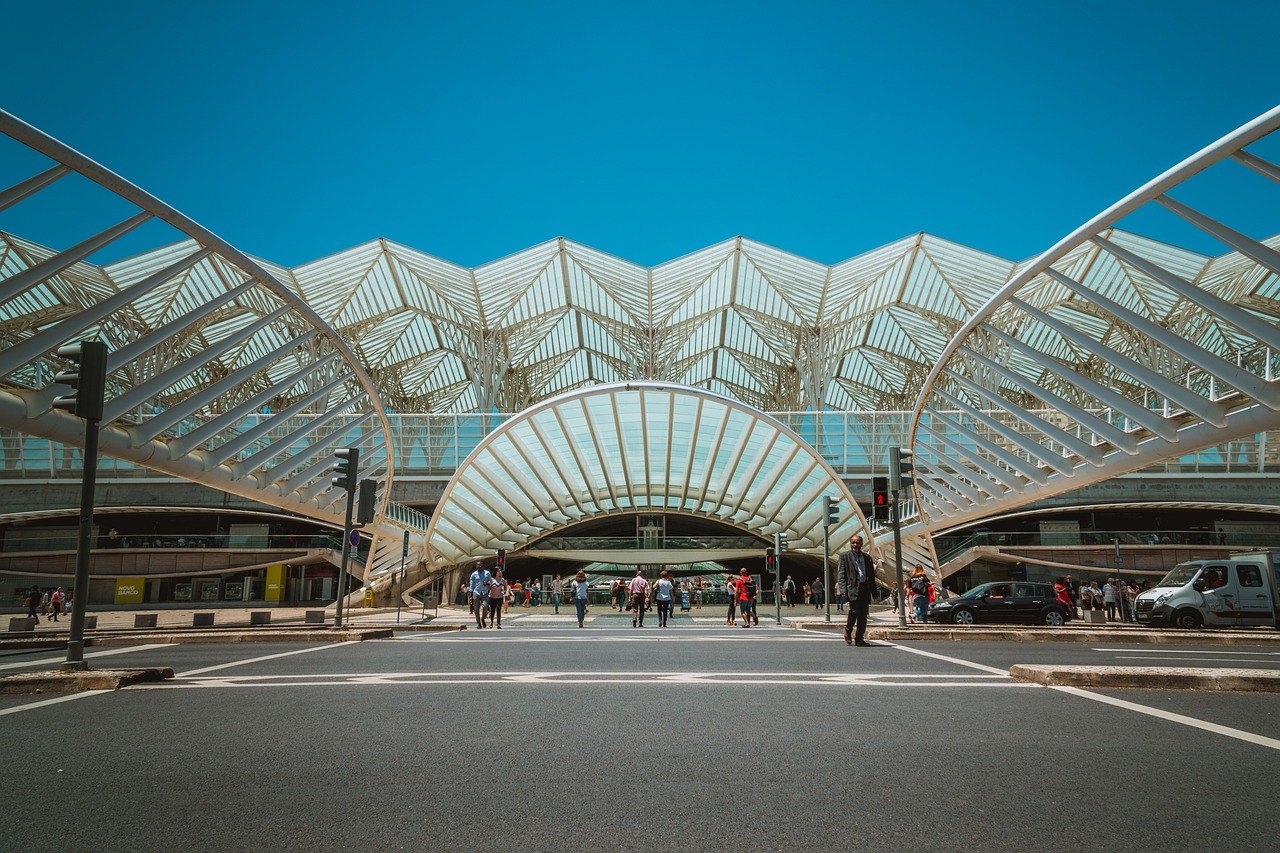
(84, 545)
(826, 567)
(897, 558)
(346, 553)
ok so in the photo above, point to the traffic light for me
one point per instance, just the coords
(347, 468)
(780, 543)
(880, 498)
(770, 558)
(367, 506)
(830, 511)
(502, 559)
(88, 380)
(900, 469)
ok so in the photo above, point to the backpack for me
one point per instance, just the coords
(749, 587)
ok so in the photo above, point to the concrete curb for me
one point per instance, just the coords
(1149, 677)
(1031, 634)
(70, 681)
(263, 636)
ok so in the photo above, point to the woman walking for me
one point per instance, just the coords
(580, 595)
(662, 594)
(732, 591)
(919, 587)
(497, 594)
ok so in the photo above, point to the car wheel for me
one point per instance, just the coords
(1053, 618)
(1187, 619)
(962, 617)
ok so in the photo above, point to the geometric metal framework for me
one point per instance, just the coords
(635, 447)
(1110, 352)
(217, 372)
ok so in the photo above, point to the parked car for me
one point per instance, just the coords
(1003, 601)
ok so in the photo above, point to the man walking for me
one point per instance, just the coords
(479, 587)
(855, 578)
(639, 588)
(557, 590)
(789, 591)
(747, 599)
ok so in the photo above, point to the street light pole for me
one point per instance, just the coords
(897, 558)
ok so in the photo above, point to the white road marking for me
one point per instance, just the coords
(98, 654)
(1238, 734)
(54, 701)
(265, 657)
(1120, 703)
(1194, 652)
(701, 679)
(956, 661)
(1201, 661)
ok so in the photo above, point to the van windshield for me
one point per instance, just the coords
(1181, 575)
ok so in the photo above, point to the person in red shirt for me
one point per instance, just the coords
(747, 599)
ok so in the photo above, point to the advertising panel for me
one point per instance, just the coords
(129, 590)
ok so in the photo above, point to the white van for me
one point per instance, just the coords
(1238, 590)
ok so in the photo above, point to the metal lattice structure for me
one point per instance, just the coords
(1109, 353)
(218, 373)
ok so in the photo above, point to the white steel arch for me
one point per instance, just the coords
(634, 447)
(218, 373)
(1108, 353)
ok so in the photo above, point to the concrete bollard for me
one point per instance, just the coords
(260, 617)
(90, 623)
(314, 617)
(22, 624)
(144, 620)
(202, 620)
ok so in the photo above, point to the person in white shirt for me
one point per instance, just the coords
(580, 588)
(662, 593)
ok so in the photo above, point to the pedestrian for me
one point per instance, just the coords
(662, 594)
(808, 594)
(918, 585)
(698, 585)
(479, 591)
(113, 538)
(1111, 599)
(557, 590)
(893, 596)
(620, 593)
(1073, 593)
(747, 598)
(537, 593)
(1063, 593)
(789, 591)
(463, 593)
(639, 589)
(34, 598)
(1095, 594)
(55, 604)
(580, 587)
(855, 578)
(493, 600)
(1131, 597)
(731, 592)
(819, 594)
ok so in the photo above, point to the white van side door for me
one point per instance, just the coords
(1253, 598)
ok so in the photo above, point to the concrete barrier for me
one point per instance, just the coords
(22, 624)
(90, 623)
(260, 617)
(202, 620)
(314, 617)
(144, 620)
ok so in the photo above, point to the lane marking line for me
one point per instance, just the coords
(957, 661)
(97, 654)
(1194, 652)
(192, 672)
(1238, 734)
(43, 702)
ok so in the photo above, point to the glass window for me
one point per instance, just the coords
(1249, 575)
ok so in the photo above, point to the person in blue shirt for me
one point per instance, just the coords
(479, 588)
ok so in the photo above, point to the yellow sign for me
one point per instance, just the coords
(129, 590)
(275, 582)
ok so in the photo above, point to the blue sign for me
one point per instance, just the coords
(355, 538)
(405, 553)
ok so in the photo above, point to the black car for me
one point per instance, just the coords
(1003, 601)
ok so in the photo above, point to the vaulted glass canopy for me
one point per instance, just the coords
(636, 447)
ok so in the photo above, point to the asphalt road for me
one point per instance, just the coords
(689, 739)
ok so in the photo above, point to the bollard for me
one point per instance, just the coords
(22, 624)
(314, 617)
(202, 620)
(260, 617)
(144, 620)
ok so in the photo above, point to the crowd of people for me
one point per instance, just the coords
(50, 603)
(1114, 596)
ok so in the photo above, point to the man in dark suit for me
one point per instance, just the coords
(855, 579)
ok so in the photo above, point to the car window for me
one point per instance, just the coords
(1249, 575)
(1027, 590)
(1000, 590)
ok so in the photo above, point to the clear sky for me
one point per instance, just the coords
(647, 130)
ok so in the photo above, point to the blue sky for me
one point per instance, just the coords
(647, 130)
